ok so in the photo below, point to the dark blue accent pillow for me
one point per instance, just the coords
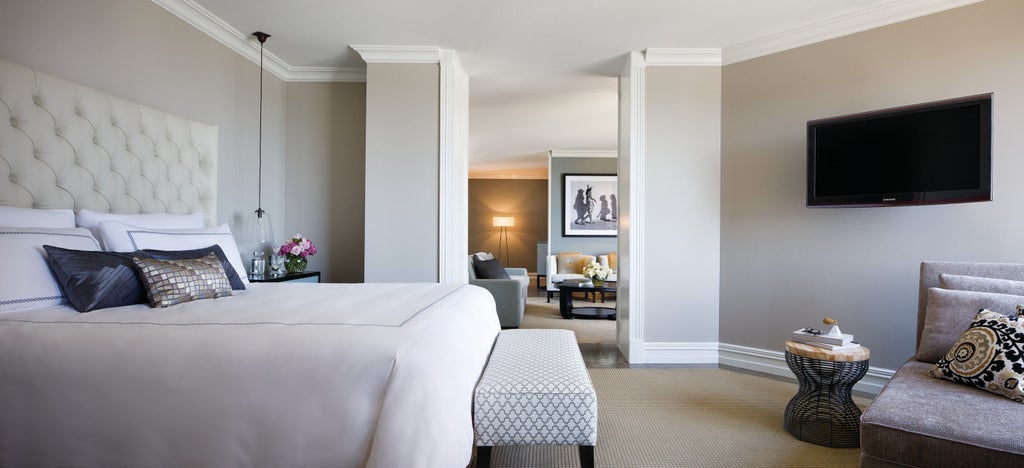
(95, 280)
(489, 269)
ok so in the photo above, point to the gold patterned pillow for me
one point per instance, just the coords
(989, 355)
(170, 282)
(569, 262)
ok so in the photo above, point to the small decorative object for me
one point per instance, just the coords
(295, 252)
(276, 265)
(259, 265)
(835, 327)
(597, 273)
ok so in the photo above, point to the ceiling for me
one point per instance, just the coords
(543, 72)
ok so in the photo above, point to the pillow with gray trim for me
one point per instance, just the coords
(981, 284)
(950, 312)
(170, 282)
(989, 355)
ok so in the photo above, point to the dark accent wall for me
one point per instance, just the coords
(526, 199)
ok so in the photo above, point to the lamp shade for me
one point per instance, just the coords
(504, 221)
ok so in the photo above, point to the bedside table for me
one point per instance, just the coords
(304, 277)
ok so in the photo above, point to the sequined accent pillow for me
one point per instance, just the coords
(989, 355)
(170, 282)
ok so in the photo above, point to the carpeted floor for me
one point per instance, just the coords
(687, 418)
(541, 314)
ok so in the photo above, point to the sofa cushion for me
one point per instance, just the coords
(949, 313)
(979, 284)
(988, 356)
(489, 269)
(613, 261)
(920, 421)
(570, 262)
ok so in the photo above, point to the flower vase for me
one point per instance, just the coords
(295, 264)
(598, 282)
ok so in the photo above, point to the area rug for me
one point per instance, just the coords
(541, 314)
(687, 418)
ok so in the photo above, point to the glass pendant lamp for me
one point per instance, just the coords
(259, 231)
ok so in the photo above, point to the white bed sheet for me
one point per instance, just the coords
(288, 374)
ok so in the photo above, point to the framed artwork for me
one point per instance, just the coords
(590, 205)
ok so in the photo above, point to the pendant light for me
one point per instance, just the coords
(261, 235)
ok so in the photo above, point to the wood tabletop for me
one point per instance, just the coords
(814, 352)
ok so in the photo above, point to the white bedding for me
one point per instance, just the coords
(377, 375)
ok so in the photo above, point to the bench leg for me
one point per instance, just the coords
(483, 456)
(586, 456)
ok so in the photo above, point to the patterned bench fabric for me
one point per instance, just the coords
(535, 391)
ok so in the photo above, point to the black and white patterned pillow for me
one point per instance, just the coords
(989, 355)
(170, 282)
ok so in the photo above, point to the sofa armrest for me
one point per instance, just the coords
(517, 272)
(509, 298)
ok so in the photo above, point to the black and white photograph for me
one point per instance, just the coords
(590, 205)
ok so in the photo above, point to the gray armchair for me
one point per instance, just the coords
(509, 294)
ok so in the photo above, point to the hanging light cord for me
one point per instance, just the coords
(259, 150)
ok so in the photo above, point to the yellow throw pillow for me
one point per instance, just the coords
(570, 262)
(613, 261)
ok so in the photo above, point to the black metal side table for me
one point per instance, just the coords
(823, 411)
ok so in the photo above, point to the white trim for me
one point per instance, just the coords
(637, 166)
(453, 170)
(327, 74)
(844, 25)
(399, 54)
(774, 363)
(683, 57)
(681, 353)
(584, 154)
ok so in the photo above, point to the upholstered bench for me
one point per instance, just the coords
(535, 391)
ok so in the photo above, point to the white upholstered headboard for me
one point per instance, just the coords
(63, 145)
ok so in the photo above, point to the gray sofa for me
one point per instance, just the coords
(509, 294)
(918, 420)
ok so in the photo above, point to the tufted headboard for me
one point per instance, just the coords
(63, 145)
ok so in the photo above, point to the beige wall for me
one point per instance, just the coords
(785, 266)
(527, 200)
(402, 137)
(138, 51)
(326, 143)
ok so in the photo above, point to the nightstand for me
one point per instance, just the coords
(303, 277)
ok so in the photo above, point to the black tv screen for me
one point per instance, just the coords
(938, 152)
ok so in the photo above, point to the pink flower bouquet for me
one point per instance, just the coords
(295, 252)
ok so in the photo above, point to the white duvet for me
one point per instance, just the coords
(281, 375)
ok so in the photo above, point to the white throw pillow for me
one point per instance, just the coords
(25, 280)
(91, 220)
(120, 237)
(13, 216)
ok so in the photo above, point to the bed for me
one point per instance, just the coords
(290, 374)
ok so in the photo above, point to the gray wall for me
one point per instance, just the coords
(326, 142)
(587, 245)
(140, 52)
(527, 200)
(402, 112)
(682, 209)
(785, 266)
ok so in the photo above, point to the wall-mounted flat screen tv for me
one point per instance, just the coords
(937, 152)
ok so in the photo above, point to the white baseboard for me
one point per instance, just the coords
(774, 363)
(744, 357)
(680, 353)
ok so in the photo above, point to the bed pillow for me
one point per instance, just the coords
(950, 312)
(120, 237)
(95, 280)
(13, 216)
(489, 269)
(980, 284)
(170, 282)
(988, 356)
(25, 278)
(91, 220)
(229, 270)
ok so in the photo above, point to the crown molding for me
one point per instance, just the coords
(843, 25)
(401, 54)
(683, 57)
(584, 154)
(327, 74)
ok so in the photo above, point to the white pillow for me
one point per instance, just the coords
(25, 280)
(91, 220)
(30, 217)
(120, 237)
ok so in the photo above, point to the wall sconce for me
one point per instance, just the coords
(503, 223)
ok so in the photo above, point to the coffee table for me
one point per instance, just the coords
(567, 310)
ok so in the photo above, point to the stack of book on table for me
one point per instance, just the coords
(821, 340)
